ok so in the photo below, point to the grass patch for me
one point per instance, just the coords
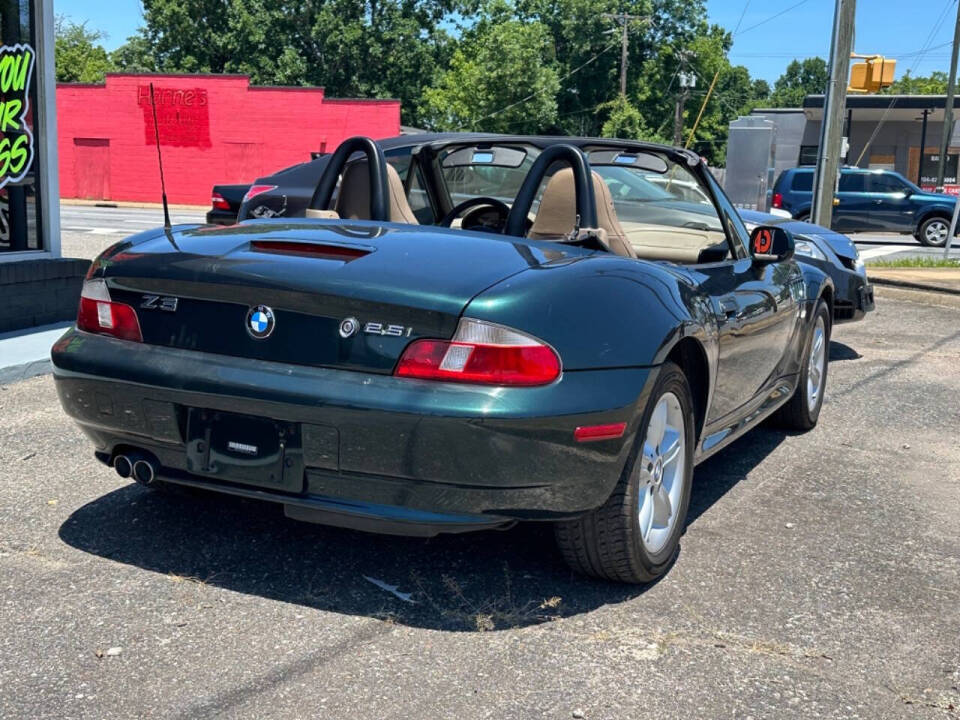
(916, 262)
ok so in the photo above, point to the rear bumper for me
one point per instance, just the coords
(221, 217)
(397, 452)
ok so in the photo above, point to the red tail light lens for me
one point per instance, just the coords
(777, 200)
(257, 190)
(99, 314)
(482, 352)
(219, 202)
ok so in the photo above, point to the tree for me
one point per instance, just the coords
(362, 48)
(623, 120)
(933, 84)
(135, 56)
(500, 80)
(801, 78)
(79, 57)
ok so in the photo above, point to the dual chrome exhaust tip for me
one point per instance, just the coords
(138, 466)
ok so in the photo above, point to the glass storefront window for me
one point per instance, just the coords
(20, 202)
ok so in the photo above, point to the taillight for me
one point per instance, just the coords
(777, 200)
(99, 314)
(219, 201)
(257, 190)
(481, 352)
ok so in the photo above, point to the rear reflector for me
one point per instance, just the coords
(257, 190)
(482, 352)
(219, 201)
(591, 433)
(306, 249)
(99, 314)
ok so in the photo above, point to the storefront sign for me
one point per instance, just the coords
(16, 138)
(183, 116)
(928, 173)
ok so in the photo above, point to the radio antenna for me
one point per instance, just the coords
(163, 187)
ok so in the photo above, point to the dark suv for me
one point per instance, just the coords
(877, 200)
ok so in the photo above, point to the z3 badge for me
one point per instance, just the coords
(158, 302)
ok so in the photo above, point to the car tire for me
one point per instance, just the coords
(803, 216)
(802, 410)
(622, 540)
(933, 231)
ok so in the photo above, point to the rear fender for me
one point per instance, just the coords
(602, 311)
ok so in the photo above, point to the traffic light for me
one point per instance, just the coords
(873, 75)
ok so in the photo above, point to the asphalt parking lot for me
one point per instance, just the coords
(819, 577)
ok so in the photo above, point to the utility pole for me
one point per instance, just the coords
(948, 110)
(831, 131)
(624, 19)
(687, 81)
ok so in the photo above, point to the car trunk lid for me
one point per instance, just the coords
(327, 294)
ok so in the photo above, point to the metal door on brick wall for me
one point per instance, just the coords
(91, 168)
(243, 162)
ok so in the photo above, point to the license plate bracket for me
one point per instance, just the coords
(245, 449)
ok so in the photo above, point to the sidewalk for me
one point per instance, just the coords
(25, 353)
(945, 280)
(130, 204)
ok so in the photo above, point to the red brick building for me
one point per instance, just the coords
(213, 129)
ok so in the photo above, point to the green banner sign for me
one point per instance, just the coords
(16, 138)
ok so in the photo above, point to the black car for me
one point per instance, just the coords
(225, 202)
(832, 252)
(566, 355)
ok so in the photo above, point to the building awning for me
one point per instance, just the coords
(904, 108)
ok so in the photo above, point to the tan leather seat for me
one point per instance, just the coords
(557, 213)
(353, 198)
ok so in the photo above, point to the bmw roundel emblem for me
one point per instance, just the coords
(260, 322)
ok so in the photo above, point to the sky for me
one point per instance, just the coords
(803, 30)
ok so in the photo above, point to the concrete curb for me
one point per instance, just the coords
(16, 373)
(129, 204)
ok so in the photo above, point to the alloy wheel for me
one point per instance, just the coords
(816, 364)
(936, 232)
(661, 471)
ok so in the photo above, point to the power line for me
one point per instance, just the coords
(538, 92)
(772, 17)
(893, 101)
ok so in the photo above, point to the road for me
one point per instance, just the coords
(86, 230)
(889, 246)
(819, 577)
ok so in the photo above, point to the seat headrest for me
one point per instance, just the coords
(557, 213)
(353, 198)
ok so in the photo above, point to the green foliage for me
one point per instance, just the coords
(500, 79)
(933, 84)
(623, 120)
(79, 55)
(353, 48)
(519, 66)
(135, 56)
(801, 78)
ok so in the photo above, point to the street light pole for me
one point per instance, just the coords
(831, 131)
(948, 110)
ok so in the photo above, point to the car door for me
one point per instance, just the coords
(757, 314)
(890, 199)
(853, 207)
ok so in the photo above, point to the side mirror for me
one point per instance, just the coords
(769, 243)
